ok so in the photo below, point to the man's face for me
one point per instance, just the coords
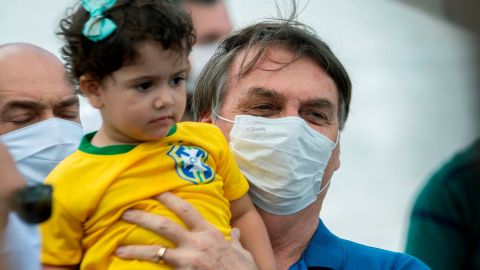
(33, 88)
(300, 89)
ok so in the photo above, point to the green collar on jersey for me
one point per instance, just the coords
(87, 146)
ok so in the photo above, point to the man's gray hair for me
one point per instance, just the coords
(212, 84)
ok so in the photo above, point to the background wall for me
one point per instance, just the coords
(414, 99)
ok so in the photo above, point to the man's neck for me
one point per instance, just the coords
(291, 234)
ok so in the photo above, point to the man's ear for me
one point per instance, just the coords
(91, 89)
(206, 118)
(336, 156)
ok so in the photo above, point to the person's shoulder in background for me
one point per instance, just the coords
(444, 223)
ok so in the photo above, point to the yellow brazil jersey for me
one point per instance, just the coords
(94, 186)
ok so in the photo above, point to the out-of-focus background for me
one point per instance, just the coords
(415, 69)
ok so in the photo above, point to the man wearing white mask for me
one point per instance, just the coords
(281, 97)
(39, 124)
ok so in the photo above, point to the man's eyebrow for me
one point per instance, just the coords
(21, 104)
(320, 103)
(67, 102)
(265, 92)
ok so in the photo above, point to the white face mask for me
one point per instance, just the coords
(199, 57)
(38, 148)
(284, 160)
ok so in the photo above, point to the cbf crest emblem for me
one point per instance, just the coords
(190, 164)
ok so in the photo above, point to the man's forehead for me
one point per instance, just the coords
(272, 57)
(24, 60)
(41, 97)
(44, 89)
(296, 74)
(34, 80)
(31, 72)
(35, 88)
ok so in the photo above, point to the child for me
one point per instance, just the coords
(130, 60)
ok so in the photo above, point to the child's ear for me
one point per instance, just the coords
(91, 89)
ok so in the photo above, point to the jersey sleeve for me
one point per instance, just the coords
(61, 235)
(235, 184)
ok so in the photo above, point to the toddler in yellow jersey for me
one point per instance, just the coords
(129, 58)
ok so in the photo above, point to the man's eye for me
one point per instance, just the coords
(263, 109)
(21, 119)
(144, 87)
(315, 117)
(69, 115)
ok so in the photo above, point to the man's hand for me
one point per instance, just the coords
(202, 247)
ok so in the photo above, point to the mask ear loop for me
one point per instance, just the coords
(329, 180)
(224, 119)
(338, 139)
(324, 187)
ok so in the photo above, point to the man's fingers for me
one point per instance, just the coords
(158, 224)
(235, 239)
(184, 210)
(146, 253)
(172, 256)
(235, 233)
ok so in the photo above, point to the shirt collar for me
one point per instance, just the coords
(324, 250)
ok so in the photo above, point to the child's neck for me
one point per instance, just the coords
(102, 139)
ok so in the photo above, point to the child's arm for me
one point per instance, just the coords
(254, 236)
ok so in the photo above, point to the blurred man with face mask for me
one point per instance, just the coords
(212, 23)
(39, 125)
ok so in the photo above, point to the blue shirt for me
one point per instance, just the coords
(327, 251)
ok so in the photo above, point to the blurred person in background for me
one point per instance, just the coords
(444, 227)
(212, 23)
(39, 125)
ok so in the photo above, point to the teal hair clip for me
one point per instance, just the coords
(98, 27)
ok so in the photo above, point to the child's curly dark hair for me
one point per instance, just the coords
(137, 21)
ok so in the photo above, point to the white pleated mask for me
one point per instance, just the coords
(284, 160)
(38, 148)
